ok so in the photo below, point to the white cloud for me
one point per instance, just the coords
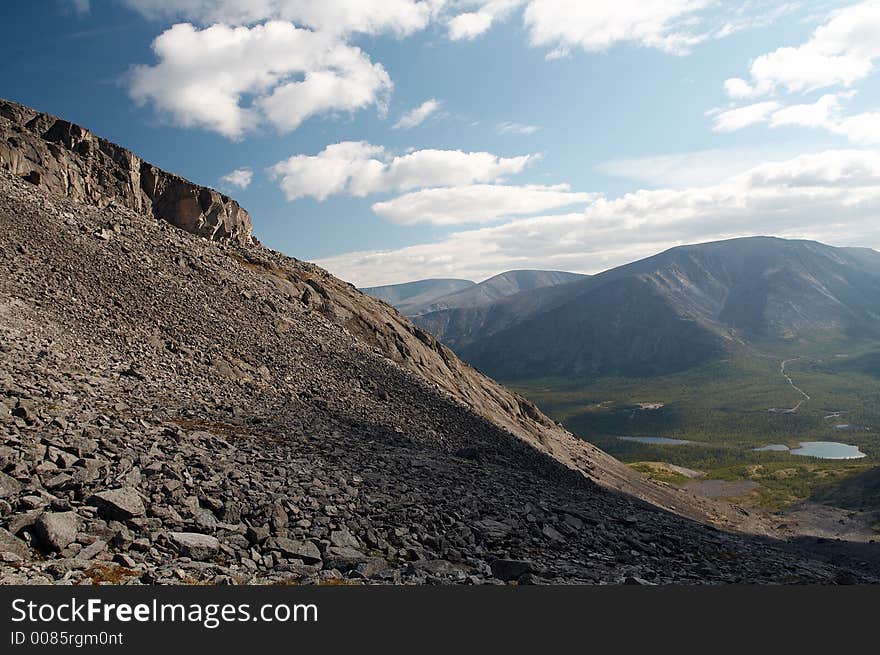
(730, 120)
(418, 115)
(861, 128)
(738, 88)
(81, 6)
(399, 17)
(597, 25)
(698, 167)
(841, 51)
(203, 77)
(240, 178)
(516, 128)
(816, 114)
(358, 168)
(825, 113)
(476, 203)
(830, 196)
(472, 24)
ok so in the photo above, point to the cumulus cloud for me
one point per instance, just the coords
(400, 17)
(471, 24)
(738, 88)
(476, 203)
(204, 77)
(825, 113)
(359, 168)
(240, 178)
(516, 128)
(596, 25)
(418, 115)
(831, 196)
(841, 51)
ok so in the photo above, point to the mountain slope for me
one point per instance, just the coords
(424, 296)
(410, 297)
(499, 286)
(723, 295)
(175, 409)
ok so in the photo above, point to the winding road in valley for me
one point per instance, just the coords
(806, 397)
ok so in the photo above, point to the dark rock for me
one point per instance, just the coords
(440, 567)
(257, 534)
(510, 569)
(306, 551)
(343, 558)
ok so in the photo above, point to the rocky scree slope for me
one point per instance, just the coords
(179, 410)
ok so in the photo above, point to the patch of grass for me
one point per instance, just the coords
(109, 574)
(661, 474)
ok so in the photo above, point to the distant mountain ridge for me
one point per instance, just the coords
(671, 311)
(410, 297)
(425, 296)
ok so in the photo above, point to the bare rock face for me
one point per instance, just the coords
(69, 160)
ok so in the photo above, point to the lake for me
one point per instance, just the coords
(820, 449)
(657, 441)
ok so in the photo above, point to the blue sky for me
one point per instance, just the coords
(553, 133)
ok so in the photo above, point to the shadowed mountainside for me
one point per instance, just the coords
(629, 320)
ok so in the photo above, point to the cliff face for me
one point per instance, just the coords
(67, 159)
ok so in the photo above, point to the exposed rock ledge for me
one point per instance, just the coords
(69, 160)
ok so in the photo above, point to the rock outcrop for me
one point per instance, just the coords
(68, 159)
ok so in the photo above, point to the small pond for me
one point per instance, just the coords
(820, 449)
(657, 441)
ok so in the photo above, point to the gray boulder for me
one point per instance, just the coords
(9, 543)
(9, 486)
(195, 545)
(307, 551)
(118, 504)
(57, 530)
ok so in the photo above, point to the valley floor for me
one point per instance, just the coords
(714, 417)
